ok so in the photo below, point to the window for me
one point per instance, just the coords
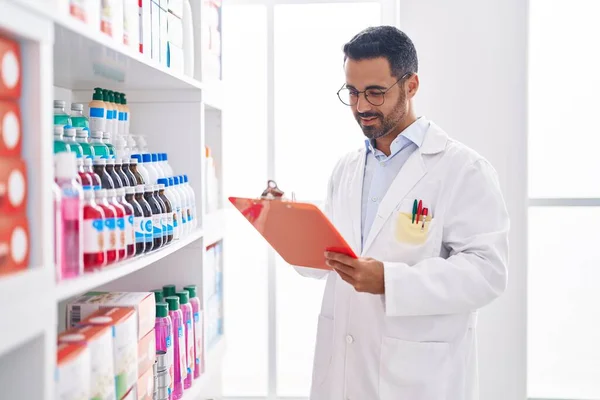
(295, 136)
(564, 191)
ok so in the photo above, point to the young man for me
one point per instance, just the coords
(427, 217)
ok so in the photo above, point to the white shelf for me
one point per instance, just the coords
(214, 227)
(213, 94)
(70, 288)
(201, 389)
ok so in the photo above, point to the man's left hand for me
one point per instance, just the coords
(364, 274)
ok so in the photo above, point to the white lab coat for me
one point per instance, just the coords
(417, 341)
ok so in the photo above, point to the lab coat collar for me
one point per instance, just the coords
(414, 133)
(412, 172)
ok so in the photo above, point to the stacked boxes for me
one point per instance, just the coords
(14, 227)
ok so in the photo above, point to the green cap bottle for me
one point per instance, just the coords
(105, 95)
(173, 303)
(98, 94)
(184, 297)
(158, 295)
(123, 99)
(162, 310)
(169, 290)
(191, 289)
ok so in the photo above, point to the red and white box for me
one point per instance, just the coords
(10, 69)
(13, 186)
(10, 129)
(14, 244)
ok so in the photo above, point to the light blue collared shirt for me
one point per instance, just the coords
(381, 170)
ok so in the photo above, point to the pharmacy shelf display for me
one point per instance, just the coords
(169, 112)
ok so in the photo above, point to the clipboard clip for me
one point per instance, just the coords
(272, 192)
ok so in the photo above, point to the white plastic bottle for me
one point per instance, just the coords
(152, 173)
(192, 197)
(121, 149)
(141, 144)
(166, 167)
(132, 144)
(178, 204)
(173, 218)
(137, 158)
(185, 212)
(157, 167)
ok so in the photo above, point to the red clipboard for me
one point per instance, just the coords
(299, 232)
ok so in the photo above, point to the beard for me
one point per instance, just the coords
(388, 122)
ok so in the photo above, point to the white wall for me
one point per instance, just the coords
(473, 57)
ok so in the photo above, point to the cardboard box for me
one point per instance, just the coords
(14, 244)
(99, 341)
(174, 30)
(146, 352)
(142, 302)
(13, 186)
(11, 69)
(72, 376)
(145, 26)
(122, 321)
(10, 129)
(145, 385)
(155, 31)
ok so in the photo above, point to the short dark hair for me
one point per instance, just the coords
(384, 41)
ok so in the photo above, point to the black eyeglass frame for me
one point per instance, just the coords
(381, 92)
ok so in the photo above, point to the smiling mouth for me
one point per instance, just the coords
(368, 120)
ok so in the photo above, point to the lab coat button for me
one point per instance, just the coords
(349, 339)
(374, 199)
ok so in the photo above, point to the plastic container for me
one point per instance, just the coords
(185, 212)
(125, 167)
(115, 122)
(169, 290)
(81, 137)
(106, 139)
(120, 220)
(110, 226)
(59, 144)
(88, 167)
(94, 237)
(85, 179)
(163, 215)
(173, 220)
(164, 339)
(167, 167)
(140, 172)
(77, 118)
(198, 346)
(159, 296)
(192, 201)
(71, 250)
(143, 223)
(60, 115)
(99, 166)
(169, 209)
(97, 107)
(178, 207)
(119, 171)
(180, 367)
(69, 138)
(121, 149)
(188, 319)
(129, 224)
(157, 167)
(110, 170)
(138, 216)
(110, 112)
(152, 172)
(156, 216)
(127, 112)
(100, 149)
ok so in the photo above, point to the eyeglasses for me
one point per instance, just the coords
(349, 96)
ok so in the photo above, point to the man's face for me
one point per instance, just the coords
(374, 76)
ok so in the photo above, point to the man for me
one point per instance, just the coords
(427, 217)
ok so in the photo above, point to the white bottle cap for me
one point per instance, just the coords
(100, 194)
(111, 193)
(140, 189)
(59, 103)
(70, 132)
(99, 161)
(76, 106)
(131, 190)
(120, 192)
(110, 161)
(59, 130)
(160, 186)
(105, 135)
(87, 162)
(149, 188)
(89, 194)
(96, 134)
(66, 165)
(79, 162)
(133, 161)
(82, 133)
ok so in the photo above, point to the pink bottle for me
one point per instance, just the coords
(164, 339)
(198, 330)
(188, 319)
(178, 346)
(71, 247)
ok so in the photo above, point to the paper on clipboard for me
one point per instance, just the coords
(299, 232)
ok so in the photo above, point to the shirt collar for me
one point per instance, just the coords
(414, 133)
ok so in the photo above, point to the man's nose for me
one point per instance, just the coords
(362, 105)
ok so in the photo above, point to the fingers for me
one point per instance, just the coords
(342, 258)
(346, 277)
(338, 266)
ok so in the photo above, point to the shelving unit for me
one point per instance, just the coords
(64, 58)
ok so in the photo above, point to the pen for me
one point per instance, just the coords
(414, 211)
(419, 210)
(425, 212)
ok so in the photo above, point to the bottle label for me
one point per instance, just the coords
(93, 236)
(163, 223)
(121, 233)
(198, 337)
(181, 211)
(156, 223)
(111, 226)
(169, 223)
(174, 217)
(96, 112)
(190, 347)
(182, 360)
(130, 235)
(109, 114)
(189, 214)
(170, 363)
(143, 229)
(121, 116)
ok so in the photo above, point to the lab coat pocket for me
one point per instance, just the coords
(405, 231)
(413, 370)
(323, 352)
